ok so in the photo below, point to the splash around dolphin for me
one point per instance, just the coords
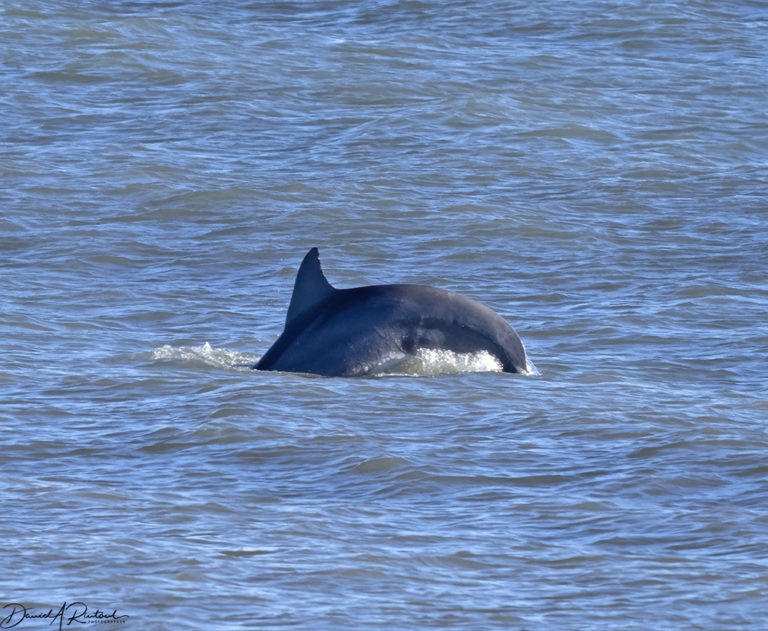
(374, 330)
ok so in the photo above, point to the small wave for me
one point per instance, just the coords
(530, 368)
(425, 363)
(381, 464)
(206, 354)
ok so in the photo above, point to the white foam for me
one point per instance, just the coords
(430, 362)
(206, 354)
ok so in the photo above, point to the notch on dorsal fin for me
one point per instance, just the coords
(311, 286)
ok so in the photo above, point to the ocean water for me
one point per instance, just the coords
(595, 172)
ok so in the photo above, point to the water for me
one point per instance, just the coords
(595, 172)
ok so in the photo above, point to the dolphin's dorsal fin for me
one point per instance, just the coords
(311, 286)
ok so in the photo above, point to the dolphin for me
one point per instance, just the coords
(368, 330)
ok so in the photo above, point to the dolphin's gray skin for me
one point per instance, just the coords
(365, 330)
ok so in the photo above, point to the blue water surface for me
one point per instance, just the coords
(594, 172)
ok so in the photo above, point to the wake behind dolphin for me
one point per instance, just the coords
(373, 330)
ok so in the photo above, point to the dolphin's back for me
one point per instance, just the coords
(360, 331)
